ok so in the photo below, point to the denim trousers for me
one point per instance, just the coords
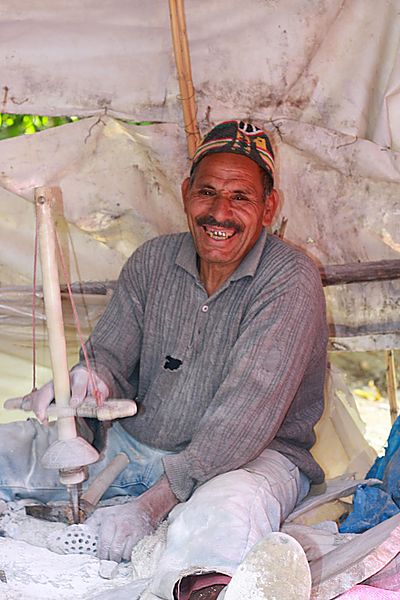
(23, 443)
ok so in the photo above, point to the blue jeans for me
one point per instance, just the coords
(23, 443)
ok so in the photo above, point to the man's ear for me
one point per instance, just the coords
(271, 206)
(185, 191)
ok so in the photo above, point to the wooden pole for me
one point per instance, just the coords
(52, 300)
(379, 270)
(382, 270)
(70, 453)
(391, 385)
(183, 66)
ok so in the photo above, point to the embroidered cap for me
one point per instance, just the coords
(237, 137)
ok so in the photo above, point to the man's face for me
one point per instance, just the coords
(226, 208)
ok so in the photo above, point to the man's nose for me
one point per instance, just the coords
(221, 207)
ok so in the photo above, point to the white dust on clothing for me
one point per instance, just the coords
(35, 572)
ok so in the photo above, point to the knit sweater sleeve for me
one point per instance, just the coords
(278, 344)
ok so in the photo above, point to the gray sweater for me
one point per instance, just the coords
(217, 379)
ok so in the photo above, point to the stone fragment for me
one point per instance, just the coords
(75, 539)
(108, 569)
(276, 567)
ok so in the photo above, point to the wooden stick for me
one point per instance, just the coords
(380, 270)
(70, 453)
(182, 59)
(104, 479)
(187, 70)
(44, 198)
(391, 385)
(282, 228)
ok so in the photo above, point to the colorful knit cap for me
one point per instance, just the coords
(237, 137)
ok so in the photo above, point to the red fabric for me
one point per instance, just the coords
(193, 583)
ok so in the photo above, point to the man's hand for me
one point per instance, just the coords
(120, 527)
(81, 386)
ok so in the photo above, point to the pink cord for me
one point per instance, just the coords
(96, 392)
(35, 254)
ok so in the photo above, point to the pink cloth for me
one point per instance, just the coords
(367, 592)
(384, 585)
(387, 578)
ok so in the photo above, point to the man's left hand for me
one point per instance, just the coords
(120, 527)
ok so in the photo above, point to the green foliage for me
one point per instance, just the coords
(13, 125)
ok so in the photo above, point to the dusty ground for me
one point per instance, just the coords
(376, 416)
(365, 373)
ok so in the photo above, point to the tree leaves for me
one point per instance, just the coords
(13, 125)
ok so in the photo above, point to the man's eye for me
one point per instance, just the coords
(205, 192)
(240, 197)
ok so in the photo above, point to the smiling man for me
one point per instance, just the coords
(227, 205)
(221, 336)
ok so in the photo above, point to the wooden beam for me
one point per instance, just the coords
(380, 270)
(330, 275)
(391, 385)
(364, 343)
(371, 328)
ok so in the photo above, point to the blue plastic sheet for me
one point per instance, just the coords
(374, 504)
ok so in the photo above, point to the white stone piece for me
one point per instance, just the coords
(275, 569)
(108, 569)
(75, 539)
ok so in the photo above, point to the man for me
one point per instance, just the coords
(220, 334)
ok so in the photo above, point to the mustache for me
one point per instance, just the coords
(209, 220)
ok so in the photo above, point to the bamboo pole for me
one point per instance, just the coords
(391, 385)
(183, 66)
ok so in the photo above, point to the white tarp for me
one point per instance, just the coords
(322, 75)
(332, 63)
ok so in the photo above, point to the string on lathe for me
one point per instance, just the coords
(96, 392)
(35, 255)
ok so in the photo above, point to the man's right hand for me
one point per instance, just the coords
(81, 386)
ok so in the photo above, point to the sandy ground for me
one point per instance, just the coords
(376, 416)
